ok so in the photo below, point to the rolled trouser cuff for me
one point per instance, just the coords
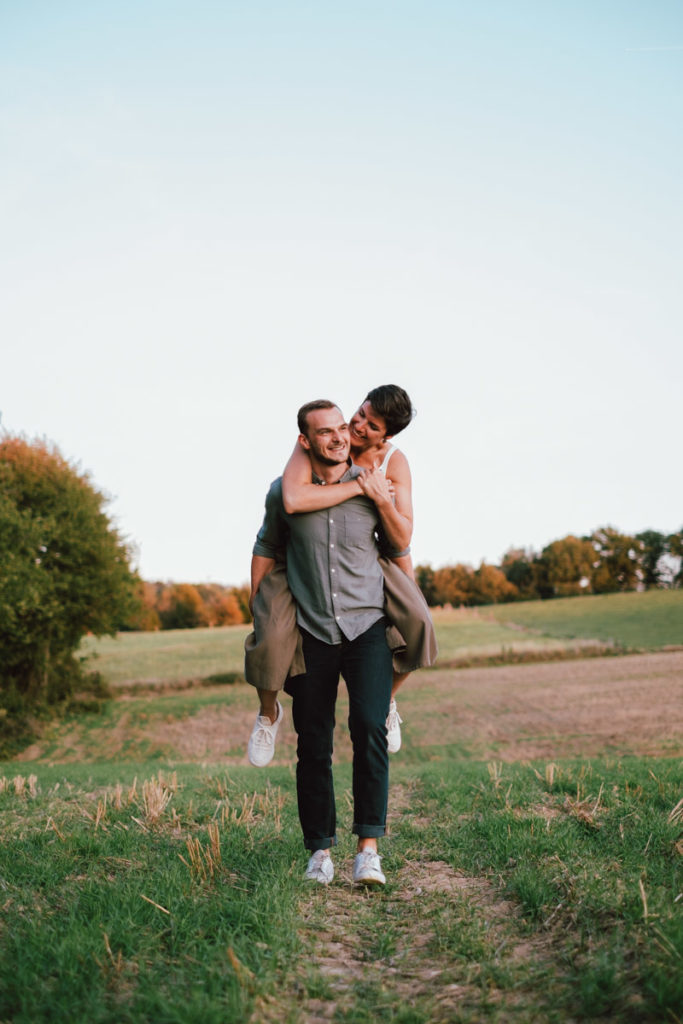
(320, 844)
(368, 831)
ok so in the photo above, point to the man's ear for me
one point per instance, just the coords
(304, 442)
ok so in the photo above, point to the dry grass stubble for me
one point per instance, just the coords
(340, 927)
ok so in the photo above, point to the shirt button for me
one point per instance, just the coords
(334, 595)
(331, 520)
(331, 545)
(333, 570)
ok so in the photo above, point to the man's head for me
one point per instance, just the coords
(324, 433)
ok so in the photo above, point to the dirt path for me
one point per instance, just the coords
(422, 942)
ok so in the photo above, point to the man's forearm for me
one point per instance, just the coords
(260, 567)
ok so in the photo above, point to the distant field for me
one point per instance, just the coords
(168, 656)
(648, 621)
(529, 630)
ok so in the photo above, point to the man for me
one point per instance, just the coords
(337, 583)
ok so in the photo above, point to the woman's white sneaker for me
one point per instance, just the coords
(261, 745)
(393, 729)
(320, 868)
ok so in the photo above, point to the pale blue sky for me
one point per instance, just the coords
(213, 212)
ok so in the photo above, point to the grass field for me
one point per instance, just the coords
(148, 873)
(527, 630)
(646, 621)
(527, 892)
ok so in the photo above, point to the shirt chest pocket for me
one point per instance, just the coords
(356, 527)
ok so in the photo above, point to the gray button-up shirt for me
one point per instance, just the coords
(332, 566)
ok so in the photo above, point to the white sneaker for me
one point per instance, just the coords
(261, 746)
(393, 729)
(320, 868)
(367, 870)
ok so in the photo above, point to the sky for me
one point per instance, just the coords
(213, 212)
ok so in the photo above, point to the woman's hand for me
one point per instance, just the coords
(375, 486)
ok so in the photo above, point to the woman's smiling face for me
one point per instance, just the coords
(367, 427)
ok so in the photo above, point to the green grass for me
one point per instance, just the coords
(556, 901)
(533, 630)
(168, 656)
(647, 621)
(526, 891)
(472, 636)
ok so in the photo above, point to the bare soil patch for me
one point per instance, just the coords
(626, 705)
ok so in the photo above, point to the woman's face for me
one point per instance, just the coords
(367, 428)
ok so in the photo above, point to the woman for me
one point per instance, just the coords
(386, 480)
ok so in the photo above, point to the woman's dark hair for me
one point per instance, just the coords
(393, 405)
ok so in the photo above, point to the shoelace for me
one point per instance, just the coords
(263, 737)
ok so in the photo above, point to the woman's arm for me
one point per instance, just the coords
(300, 494)
(396, 514)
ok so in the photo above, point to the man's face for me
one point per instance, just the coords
(327, 436)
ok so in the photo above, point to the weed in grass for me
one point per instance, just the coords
(156, 797)
(23, 787)
(206, 862)
(676, 815)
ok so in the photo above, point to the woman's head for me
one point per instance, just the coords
(393, 405)
(385, 412)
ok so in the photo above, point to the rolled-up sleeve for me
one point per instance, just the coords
(272, 537)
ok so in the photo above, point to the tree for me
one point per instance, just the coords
(64, 571)
(491, 586)
(674, 543)
(182, 608)
(566, 567)
(617, 557)
(652, 546)
(221, 606)
(521, 569)
(424, 577)
(453, 585)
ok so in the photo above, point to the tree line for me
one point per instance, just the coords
(65, 572)
(606, 562)
(187, 606)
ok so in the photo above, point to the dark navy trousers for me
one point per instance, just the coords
(365, 664)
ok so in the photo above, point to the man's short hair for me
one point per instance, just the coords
(393, 404)
(302, 415)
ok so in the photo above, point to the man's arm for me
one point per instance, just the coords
(260, 567)
(270, 541)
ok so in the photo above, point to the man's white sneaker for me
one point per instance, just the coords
(261, 746)
(393, 729)
(320, 868)
(367, 870)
